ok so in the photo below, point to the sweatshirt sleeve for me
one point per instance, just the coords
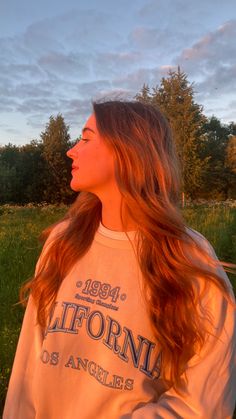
(19, 402)
(211, 388)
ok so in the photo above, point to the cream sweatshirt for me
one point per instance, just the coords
(98, 358)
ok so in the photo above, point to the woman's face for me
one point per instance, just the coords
(92, 161)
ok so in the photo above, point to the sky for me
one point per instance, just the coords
(57, 56)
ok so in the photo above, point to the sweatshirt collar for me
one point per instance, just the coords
(114, 238)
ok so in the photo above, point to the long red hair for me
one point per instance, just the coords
(178, 267)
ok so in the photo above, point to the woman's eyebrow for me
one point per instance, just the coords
(87, 129)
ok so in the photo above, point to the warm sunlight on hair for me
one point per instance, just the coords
(156, 302)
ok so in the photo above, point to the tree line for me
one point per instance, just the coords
(41, 172)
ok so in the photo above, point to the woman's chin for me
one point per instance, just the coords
(74, 187)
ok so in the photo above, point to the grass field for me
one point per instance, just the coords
(20, 248)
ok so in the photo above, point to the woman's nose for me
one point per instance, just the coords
(73, 151)
(69, 153)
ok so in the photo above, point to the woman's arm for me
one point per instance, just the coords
(19, 400)
(20, 397)
(211, 389)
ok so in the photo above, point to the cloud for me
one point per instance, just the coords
(12, 131)
(135, 80)
(143, 37)
(45, 65)
(112, 64)
(212, 60)
(192, 19)
(44, 105)
(232, 104)
(7, 104)
(12, 73)
(90, 89)
(75, 111)
(215, 49)
(228, 113)
(217, 46)
(60, 63)
(37, 121)
(71, 64)
(156, 43)
(178, 22)
(220, 82)
(42, 36)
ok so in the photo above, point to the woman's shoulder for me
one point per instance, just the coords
(55, 230)
(58, 228)
(61, 225)
(197, 236)
(214, 264)
(52, 232)
(203, 242)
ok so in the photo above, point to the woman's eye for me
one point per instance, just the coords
(84, 139)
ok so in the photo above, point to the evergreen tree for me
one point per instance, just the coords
(56, 142)
(175, 97)
(230, 166)
(10, 184)
(218, 175)
(7, 179)
(232, 128)
(32, 169)
(144, 95)
(231, 153)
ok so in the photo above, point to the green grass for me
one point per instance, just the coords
(20, 248)
(218, 225)
(19, 251)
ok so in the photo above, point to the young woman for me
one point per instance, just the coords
(130, 313)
